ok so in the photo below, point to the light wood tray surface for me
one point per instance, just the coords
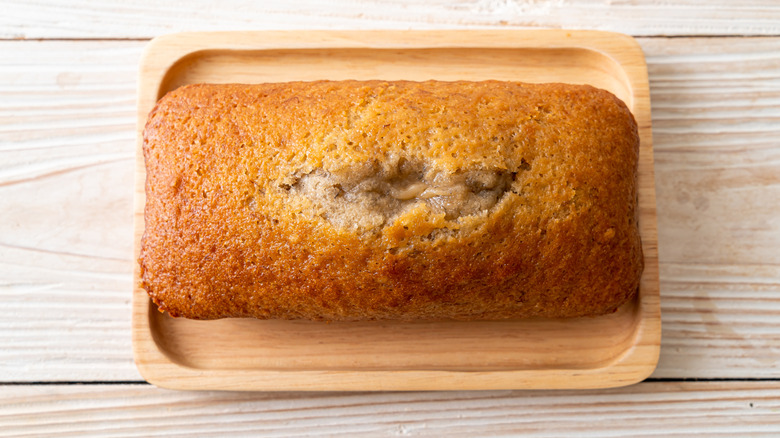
(246, 354)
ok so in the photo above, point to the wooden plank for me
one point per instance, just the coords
(716, 117)
(67, 128)
(67, 135)
(149, 18)
(678, 409)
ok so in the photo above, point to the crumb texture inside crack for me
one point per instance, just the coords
(371, 196)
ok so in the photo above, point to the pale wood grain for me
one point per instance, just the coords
(66, 262)
(716, 114)
(67, 130)
(738, 409)
(149, 18)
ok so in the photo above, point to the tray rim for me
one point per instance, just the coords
(637, 363)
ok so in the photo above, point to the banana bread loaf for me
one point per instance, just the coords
(390, 200)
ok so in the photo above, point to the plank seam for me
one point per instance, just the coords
(94, 39)
(143, 382)
(75, 382)
(97, 39)
(711, 379)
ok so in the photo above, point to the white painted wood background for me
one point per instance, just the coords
(67, 102)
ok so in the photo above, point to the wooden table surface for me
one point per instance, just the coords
(67, 126)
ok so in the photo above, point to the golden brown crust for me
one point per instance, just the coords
(225, 235)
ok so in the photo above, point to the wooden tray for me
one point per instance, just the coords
(244, 354)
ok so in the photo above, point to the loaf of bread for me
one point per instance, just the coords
(381, 200)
